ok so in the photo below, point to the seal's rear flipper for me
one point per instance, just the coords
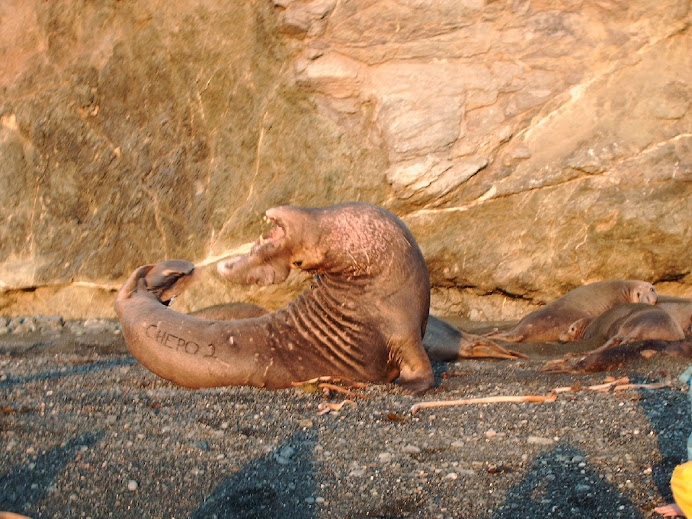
(477, 347)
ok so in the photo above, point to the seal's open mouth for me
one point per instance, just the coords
(276, 232)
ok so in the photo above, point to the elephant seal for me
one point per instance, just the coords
(230, 311)
(681, 310)
(442, 340)
(588, 301)
(363, 317)
(626, 323)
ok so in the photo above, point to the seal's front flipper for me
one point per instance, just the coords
(415, 371)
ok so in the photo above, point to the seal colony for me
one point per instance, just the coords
(588, 301)
(363, 318)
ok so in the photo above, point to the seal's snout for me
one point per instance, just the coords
(649, 296)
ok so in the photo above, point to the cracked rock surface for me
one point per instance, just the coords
(530, 146)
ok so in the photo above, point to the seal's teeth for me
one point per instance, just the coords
(261, 239)
(170, 302)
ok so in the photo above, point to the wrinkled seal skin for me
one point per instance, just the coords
(588, 301)
(442, 340)
(363, 317)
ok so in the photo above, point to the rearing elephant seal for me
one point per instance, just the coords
(363, 317)
(549, 321)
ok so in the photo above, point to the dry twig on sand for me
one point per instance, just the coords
(620, 384)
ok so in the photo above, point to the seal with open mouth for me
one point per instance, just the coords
(362, 318)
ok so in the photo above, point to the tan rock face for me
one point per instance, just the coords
(530, 147)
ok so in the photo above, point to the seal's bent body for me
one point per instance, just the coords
(362, 318)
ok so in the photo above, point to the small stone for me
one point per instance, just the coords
(411, 449)
(357, 473)
(538, 440)
(287, 452)
(385, 456)
(310, 500)
(452, 476)
(490, 433)
(132, 485)
(305, 423)
(203, 446)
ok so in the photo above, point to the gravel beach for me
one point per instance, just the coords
(87, 432)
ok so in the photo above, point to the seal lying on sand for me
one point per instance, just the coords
(621, 325)
(363, 317)
(588, 301)
(625, 323)
(681, 310)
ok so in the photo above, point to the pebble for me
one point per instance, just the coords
(132, 485)
(410, 449)
(287, 452)
(282, 461)
(385, 456)
(538, 440)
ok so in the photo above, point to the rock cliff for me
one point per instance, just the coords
(530, 146)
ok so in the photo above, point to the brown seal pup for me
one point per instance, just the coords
(549, 321)
(363, 317)
(681, 310)
(626, 323)
(621, 325)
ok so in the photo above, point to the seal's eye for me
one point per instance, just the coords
(298, 263)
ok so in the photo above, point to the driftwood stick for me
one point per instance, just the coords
(621, 384)
(485, 400)
(328, 407)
